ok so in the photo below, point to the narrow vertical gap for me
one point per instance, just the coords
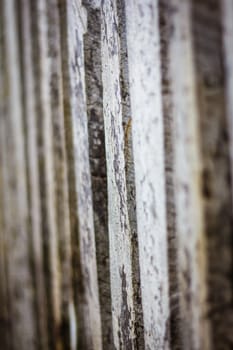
(130, 175)
(216, 178)
(165, 28)
(92, 52)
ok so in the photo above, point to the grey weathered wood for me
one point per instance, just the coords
(147, 127)
(191, 258)
(42, 71)
(93, 77)
(119, 231)
(216, 172)
(30, 122)
(4, 295)
(61, 173)
(227, 23)
(130, 174)
(21, 304)
(169, 145)
(73, 22)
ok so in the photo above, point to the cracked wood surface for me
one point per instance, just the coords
(74, 23)
(116, 174)
(147, 133)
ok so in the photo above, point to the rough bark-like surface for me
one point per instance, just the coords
(169, 136)
(147, 133)
(21, 322)
(92, 46)
(216, 173)
(73, 22)
(190, 228)
(125, 327)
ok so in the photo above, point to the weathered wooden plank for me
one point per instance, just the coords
(92, 47)
(4, 295)
(22, 318)
(216, 178)
(73, 26)
(122, 228)
(130, 174)
(148, 144)
(227, 23)
(30, 122)
(169, 136)
(61, 173)
(191, 260)
(42, 69)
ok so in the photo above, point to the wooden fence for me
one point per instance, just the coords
(116, 163)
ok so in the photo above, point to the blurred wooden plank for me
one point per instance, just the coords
(73, 26)
(31, 134)
(21, 325)
(92, 47)
(45, 136)
(147, 132)
(169, 136)
(4, 292)
(216, 172)
(122, 230)
(61, 174)
(191, 245)
(227, 23)
(130, 174)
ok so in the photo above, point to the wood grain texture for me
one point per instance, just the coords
(122, 233)
(148, 144)
(33, 183)
(227, 24)
(216, 172)
(191, 243)
(169, 146)
(42, 70)
(93, 77)
(74, 25)
(21, 326)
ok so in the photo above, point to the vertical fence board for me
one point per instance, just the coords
(147, 127)
(189, 206)
(74, 25)
(123, 312)
(29, 104)
(227, 23)
(216, 172)
(22, 317)
(169, 145)
(60, 169)
(4, 295)
(92, 46)
(42, 71)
